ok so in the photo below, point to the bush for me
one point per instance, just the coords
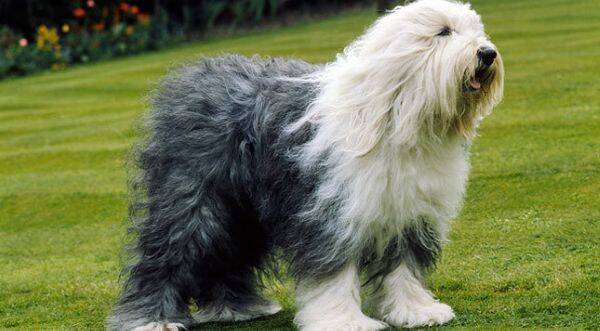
(90, 35)
(52, 35)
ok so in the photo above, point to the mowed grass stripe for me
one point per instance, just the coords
(50, 161)
(100, 146)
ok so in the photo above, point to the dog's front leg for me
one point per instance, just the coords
(333, 304)
(405, 302)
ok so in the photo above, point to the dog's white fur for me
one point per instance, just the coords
(158, 326)
(390, 108)
(394, 121)
(333, 305)
(405, 302)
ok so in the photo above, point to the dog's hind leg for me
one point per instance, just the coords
(197, 246)
(233, 297)
(183, 236)
(161, 281)
(229, 291)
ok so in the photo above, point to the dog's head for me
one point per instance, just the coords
(439, 51)
(423, 69)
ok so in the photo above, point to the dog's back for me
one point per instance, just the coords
(215, 111)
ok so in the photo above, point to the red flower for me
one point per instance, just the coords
(98, 26)
(135, 10)
(124, 6)
(78, 12)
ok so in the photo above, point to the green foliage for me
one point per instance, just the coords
(257, 8)
(53, 50)
(274, 6)
(15, 60)
(159, 34)
(238, 8)
(108, 29)
(523, 253)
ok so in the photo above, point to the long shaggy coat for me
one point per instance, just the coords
(354, 166)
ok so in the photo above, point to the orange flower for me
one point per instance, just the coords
(98, 26)
(143, 18)
(124, 6)
(135, 10)
(78, 12)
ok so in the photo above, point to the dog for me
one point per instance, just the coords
(345, 170)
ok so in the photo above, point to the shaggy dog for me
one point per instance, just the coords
(354, 167)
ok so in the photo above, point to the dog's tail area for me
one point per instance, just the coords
(195, 238)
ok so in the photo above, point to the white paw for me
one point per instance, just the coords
(358, 323)
(161, 326)
(410, 316)
(227, 314)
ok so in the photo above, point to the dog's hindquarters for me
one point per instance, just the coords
(198, 237)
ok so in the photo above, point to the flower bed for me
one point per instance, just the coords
(92, 33)
(45, 36)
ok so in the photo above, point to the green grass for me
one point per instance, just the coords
(525, 251)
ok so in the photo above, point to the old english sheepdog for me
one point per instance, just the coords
(350, 172)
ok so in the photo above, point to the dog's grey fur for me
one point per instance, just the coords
(218, 192)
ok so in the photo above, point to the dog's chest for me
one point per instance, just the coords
(427, 185)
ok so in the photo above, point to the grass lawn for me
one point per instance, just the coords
(525, 251)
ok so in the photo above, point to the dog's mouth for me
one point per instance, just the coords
(474, 84)
(480, 81)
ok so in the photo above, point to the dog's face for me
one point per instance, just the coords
(444, 62)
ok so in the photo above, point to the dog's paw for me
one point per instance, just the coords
(161, 326)
(228, 314)
(410, 316)
(358, 323)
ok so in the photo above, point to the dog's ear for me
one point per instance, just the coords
(353, 109)
(366, 110)
(367, 130)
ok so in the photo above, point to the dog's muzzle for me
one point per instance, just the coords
(484, 71)
(486, 56)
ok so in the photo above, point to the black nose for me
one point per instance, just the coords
(486, 55)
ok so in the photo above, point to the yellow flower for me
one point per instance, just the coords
(66, 28)
(47, 38)
(41, 40)
(129, 30)
(52, 37)
(57, 66)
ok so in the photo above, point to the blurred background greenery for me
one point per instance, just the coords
(37, 35)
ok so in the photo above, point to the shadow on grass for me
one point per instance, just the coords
(280, 321)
